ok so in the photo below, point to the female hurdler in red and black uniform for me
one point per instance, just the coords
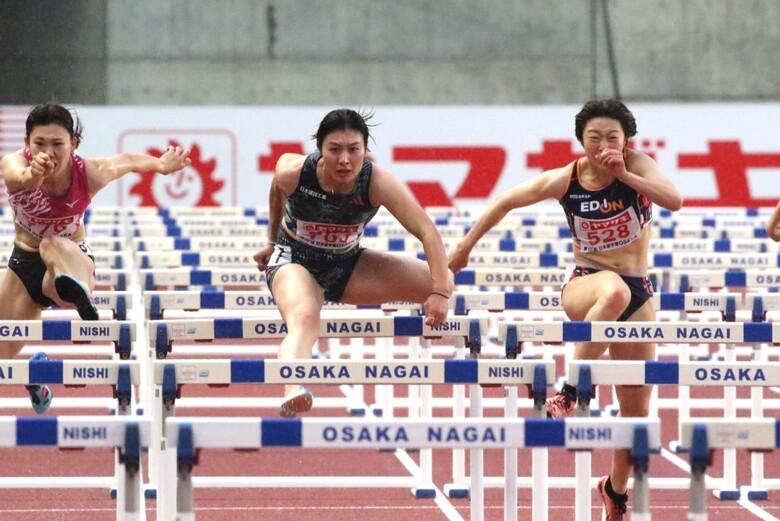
(607, 197)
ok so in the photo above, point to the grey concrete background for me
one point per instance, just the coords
(386, 52)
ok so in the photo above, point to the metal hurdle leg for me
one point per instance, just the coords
(413, 391)
(640, 456)
(383, 394)
(510, 459)
(129, 484)
(477, 460)
(683, 391)
(699, 460)
(357, 397)
(757, 489)
(474, 343)
(458, 488)
(582, 459)
(167, 486)
(162, 406)
(426, 488)
(540, 455)
(730, 491)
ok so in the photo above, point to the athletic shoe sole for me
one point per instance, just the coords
(73, 291)
(40, 397)
(298, 401)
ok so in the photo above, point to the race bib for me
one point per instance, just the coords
(42, 227)
(607, 234)
(334, 237)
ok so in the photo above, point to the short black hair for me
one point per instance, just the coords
(344, 119)
(605, 108)
(52, 113)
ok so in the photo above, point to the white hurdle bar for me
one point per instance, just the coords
(129, 435)
(117, 279)
(170, 375)
(685, 279)
(187, 435)
(163, 333)
(700, 436)
(121, 334)
(156, 302)
(122, 376)
(658, 332)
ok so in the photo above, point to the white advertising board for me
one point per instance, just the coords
(718, 155)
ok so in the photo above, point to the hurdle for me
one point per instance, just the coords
(114, 259)
(700, 373)
(188, 435)
(121, 333)
(98, 244)
(196, 230)
(122, 376)
(167, 244)
(584, 374)
(702, 435)
(129, 435)
(64, 431)
(171, 375)
(753, 278)
(163, 334)
(186, 277)
(116, 279)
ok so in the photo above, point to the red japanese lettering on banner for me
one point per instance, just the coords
(485, 167)
(730, 165)
(267, 163)
(554, 154)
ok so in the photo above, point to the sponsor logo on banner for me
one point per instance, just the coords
(211, 179)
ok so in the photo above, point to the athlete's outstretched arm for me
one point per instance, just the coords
(388, 191)
(773, 225)
(102, 170)
(550, 184)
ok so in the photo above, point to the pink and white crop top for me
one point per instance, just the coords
(44, 215)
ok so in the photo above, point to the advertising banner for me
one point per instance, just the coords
(717, 155)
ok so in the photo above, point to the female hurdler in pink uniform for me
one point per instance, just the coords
(49, 189)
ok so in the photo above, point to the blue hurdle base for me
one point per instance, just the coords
(424, 493)
(755, 494)
(727, 495)
(457, 492)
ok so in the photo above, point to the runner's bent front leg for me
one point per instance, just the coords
(299, 300)
(70, 276)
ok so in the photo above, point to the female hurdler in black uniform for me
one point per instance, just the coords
(319, 206)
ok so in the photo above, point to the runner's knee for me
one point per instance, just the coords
(615, 298)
